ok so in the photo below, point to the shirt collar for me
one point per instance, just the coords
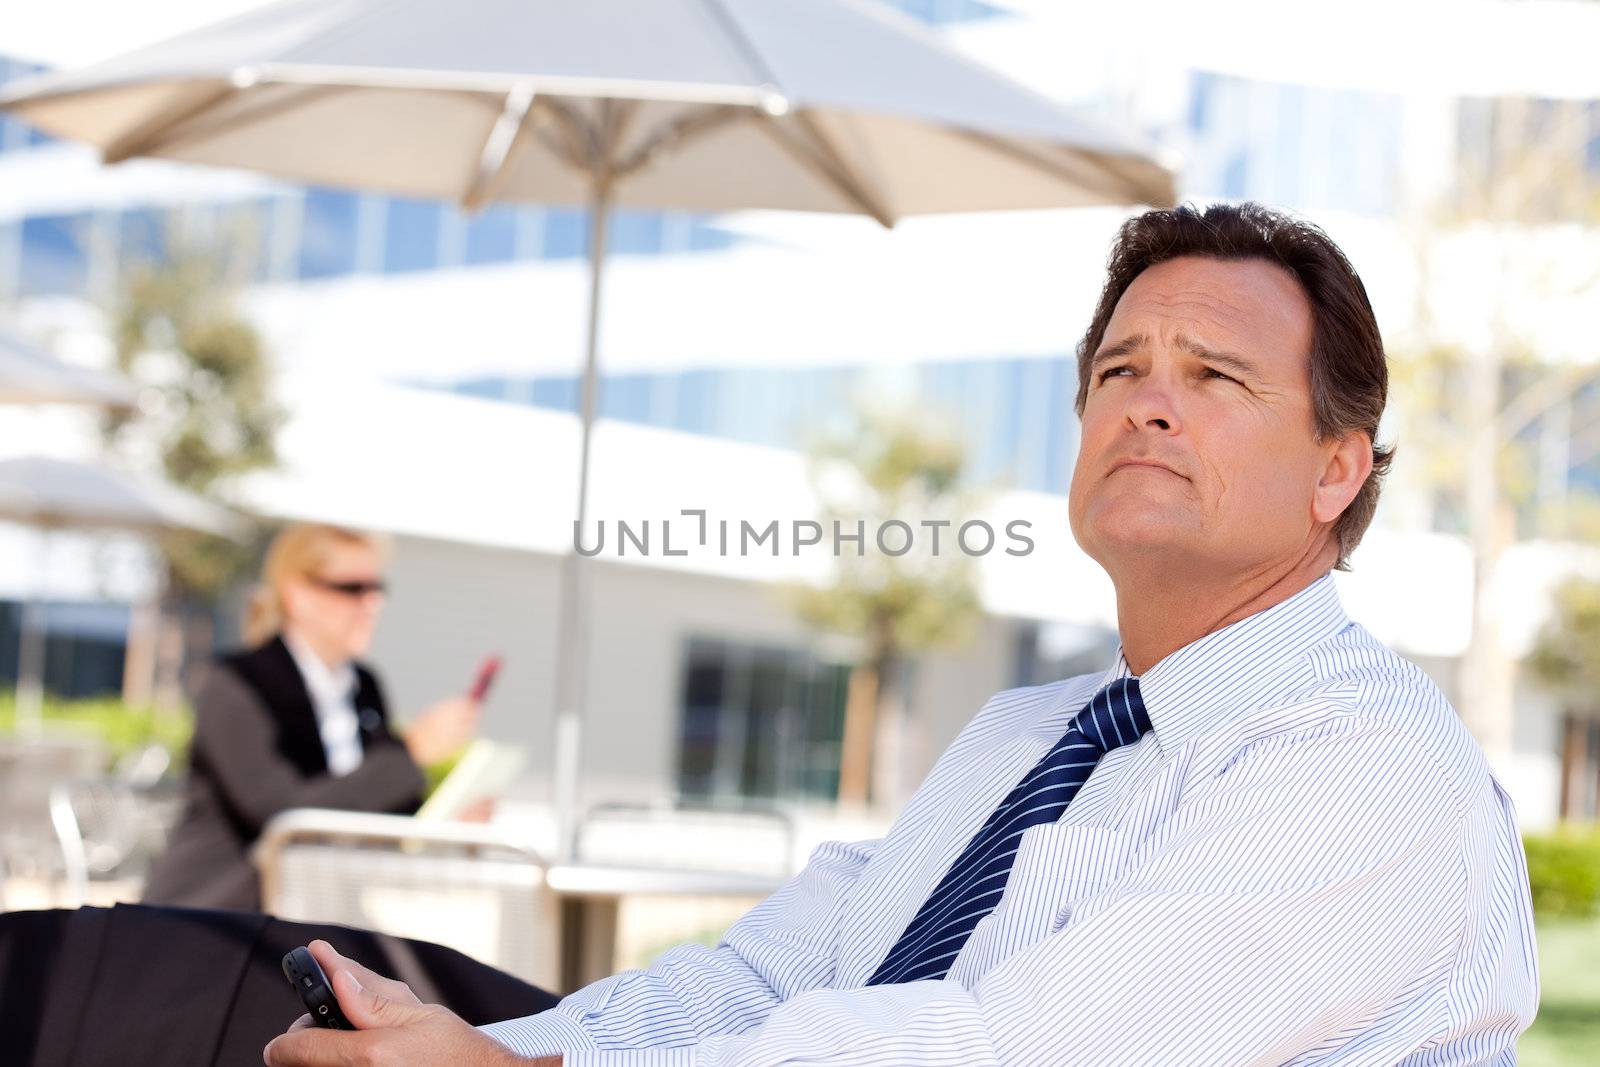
(325, 683)
(1229, 671)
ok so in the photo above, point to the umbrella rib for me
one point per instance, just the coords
(1126, 169)
(175, 136)
(871, 197)
(676, 134)
(151, 130)
(619, 116)
(624, 117)
(574, 132)
(818, 155)
(1091, 171)
(498, 146)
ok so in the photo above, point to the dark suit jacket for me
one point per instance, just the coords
(256, 752)
(133, 986)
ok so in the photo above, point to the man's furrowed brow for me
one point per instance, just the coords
(1232, 360)
(1122, 348)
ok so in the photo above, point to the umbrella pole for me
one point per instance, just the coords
(30, 649)
(572, 626)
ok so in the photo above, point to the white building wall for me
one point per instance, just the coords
(453, 603)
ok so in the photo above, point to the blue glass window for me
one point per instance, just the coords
(14, 133)
(1201, 86)
(704, 237)
(10, 258)
(486, 388)
(626, 397)
(1236, 175)
(1591, 153)
(55, 254)
(697, 400)
(1290, 143)
(759, 722)
(1062, 431)
(411, 235)
(636, 232)
(492, 235)
(1007, 423)
(566, 233)
(559, 394)
(328, 233)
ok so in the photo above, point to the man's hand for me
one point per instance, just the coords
(392, 1028)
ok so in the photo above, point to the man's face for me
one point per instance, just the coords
(1197, 440)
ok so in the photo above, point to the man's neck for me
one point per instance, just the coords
(1157, 616)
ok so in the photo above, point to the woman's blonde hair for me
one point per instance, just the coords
(300, 550)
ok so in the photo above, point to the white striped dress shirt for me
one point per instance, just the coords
(1307, 860)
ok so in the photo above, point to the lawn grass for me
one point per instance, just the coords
(1567, 1030)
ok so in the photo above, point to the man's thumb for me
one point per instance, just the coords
(366, 1008)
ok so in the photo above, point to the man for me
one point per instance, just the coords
(1259, 837)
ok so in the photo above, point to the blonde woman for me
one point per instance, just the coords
(295, 721)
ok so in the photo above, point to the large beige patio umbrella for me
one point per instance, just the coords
(698, 105)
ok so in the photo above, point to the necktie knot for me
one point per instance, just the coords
(1115, 716)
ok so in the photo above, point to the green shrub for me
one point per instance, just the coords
(1564, 872)
(117, 726)
(122, 729)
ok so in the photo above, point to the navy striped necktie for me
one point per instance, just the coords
(972, 886)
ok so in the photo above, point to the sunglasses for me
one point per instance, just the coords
(352, 589)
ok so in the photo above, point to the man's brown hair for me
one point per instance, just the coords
(1349, 371)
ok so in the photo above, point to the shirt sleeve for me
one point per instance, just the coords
(1282, 907)
(784, 946)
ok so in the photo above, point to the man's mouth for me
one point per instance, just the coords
(1145, 465)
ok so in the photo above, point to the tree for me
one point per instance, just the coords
(177, 331)
(1566, 656)
(1566, 660)
(888, 466)
(1478, 402)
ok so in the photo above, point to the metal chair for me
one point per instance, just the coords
(464, 885)
(109, 831)
(29, 769)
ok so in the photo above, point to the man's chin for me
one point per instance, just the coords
(1138, 541)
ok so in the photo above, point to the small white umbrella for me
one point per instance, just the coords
(698, 105)
(53, 494)
(30, 375)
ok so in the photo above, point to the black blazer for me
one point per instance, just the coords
(256, 752)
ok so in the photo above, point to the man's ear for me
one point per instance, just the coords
(1344, 471)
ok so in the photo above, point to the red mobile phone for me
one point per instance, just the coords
(486, 672)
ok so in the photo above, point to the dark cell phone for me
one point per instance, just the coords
(486, 672)
(305, 974)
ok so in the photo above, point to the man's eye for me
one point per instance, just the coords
(1219, 374)
(1109, 371)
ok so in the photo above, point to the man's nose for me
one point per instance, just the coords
(1152, 405)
